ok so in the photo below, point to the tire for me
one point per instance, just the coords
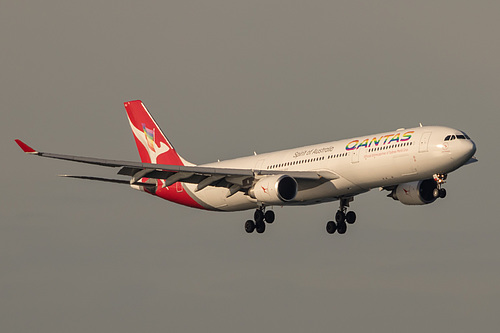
(249, 226)
(442, 193)
(342, 228)
(331, 227)
(269, 216)
(350, 217)
(258, 216)
(260, 227)
(435, 193)
(339, 217)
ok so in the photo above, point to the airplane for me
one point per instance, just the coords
(411, 164)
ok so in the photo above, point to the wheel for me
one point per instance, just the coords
(435, 193)
(258, 216)
(331, 227)
(260, 227)
(339, 217)
(350, 217)
(269, 216)
(249, 226)
(442, 193)
(342, 227)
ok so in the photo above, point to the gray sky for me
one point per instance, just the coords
(225, 78)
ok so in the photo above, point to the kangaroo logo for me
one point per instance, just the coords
(147, 137)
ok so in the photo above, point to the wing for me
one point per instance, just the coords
(201, 175)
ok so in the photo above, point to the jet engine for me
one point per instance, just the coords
(421, 192)
(275, 189)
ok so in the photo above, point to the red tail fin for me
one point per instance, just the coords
(152, 144)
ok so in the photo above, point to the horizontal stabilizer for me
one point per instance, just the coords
(108, 180)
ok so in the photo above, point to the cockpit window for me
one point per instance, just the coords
(462, 136)
(465, 134)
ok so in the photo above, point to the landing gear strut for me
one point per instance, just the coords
(439, 191)
(342, 217)
(261, 216)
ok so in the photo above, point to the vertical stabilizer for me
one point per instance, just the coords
(152, 144)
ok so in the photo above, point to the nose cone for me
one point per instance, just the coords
(472, 148)
(465, 150)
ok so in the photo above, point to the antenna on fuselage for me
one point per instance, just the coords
(420, 124)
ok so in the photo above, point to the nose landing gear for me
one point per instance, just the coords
(342, 218)
(439, 191)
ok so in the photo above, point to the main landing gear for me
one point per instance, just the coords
(261, 216)
(342, 218)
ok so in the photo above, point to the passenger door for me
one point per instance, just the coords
(424, 142)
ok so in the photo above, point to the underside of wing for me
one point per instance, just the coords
(234, 178)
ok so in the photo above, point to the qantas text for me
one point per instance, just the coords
(383, 140)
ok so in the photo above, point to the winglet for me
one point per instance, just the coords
(25, 147)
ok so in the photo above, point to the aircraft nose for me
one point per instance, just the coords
(472, 148)
(468, 148)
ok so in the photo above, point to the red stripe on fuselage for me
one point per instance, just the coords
(176, 193)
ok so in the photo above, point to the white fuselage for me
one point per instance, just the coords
(361, 163)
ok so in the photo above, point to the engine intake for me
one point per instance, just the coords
(420, 192)
(274, 190)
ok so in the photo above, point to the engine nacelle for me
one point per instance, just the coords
(420, 192)
(274, 190)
